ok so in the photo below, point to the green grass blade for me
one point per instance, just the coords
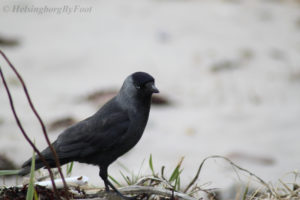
(174, 175)
(114, 180)
(151, 166)
(126, 178)
(176, 172)
(30, 191)
(36, 197)
(177, 184)
(70, 168)
(8, 172)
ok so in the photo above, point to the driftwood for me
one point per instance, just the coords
(136, 190)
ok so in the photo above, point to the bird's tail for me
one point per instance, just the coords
(27, 166)
(24, 171)
(39, 163)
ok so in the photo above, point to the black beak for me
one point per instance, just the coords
(154, 89)
(151, 87)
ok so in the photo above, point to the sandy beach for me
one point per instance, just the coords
(231, 70)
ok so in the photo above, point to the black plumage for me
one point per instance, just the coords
(109, 133)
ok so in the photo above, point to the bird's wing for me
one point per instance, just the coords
(95, 134)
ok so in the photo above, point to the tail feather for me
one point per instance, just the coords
(47, 153)
(24, 171)
(27, 166)
(38, 163)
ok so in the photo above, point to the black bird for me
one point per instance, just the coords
(109, 133)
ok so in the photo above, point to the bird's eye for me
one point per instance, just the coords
(138, 87)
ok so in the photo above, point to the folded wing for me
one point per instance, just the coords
(93, 135)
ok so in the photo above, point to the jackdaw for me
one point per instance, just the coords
(108, 134)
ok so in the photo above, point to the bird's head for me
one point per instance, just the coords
(144, 83)
(138, 85)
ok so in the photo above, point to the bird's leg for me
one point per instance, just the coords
(103, 175)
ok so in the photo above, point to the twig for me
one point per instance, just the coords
(39, 119)
(149, 190)
(233, 164)
(24, 133)
(152, 179)
(210, 192)
(163, 173)
(154, 190)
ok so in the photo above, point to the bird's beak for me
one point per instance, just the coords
(154, 89)
(151, 87)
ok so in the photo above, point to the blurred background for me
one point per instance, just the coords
(228, 72)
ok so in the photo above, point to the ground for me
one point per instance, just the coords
(230, 68)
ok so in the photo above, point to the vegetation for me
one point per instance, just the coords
(159, 185)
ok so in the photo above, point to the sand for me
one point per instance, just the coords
(230, 68)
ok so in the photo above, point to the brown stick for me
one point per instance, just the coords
(40, 121)
(24, 133)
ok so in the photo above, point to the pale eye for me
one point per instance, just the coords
(138, 87)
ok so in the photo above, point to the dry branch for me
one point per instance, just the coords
(142, 190)
(40, 121)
